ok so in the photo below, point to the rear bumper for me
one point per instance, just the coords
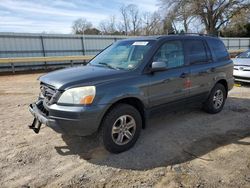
(70, 120)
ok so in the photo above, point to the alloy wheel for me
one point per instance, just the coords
(123, 129)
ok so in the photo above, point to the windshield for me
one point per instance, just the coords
(125, 55)
(244, 54)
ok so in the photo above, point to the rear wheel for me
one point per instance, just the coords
(216, 99)
(121, 128)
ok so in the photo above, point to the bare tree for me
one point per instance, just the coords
(108, 26)
(185, 14)
(125, 19)
(80, 25)
(178, 11)
(152, 24)
(171, 19)
(146, 22)
(157, 24)
(134, 18)
(213, 13)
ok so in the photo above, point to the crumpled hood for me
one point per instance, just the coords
(241, 61)
(83, 75)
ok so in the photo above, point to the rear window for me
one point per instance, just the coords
(219, 49)
(196, 51)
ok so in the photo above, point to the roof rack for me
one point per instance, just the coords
(199, 34)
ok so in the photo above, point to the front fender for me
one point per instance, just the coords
(114, 95)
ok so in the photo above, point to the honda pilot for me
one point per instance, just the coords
(129, 81)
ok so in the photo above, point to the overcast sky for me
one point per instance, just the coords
(56, 16)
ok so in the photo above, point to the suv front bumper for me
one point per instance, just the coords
(70, 120)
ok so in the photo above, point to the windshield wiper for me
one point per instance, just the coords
(107, 65)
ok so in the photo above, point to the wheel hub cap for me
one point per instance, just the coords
(123, 129)
(218, 99)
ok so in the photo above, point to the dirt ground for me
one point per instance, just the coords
(184, 149)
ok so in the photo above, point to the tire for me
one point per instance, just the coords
(216, 100)
(120, 120)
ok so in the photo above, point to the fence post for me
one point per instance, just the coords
(13, 68)
(228, 46)
(83, 49)
(71, 63)
(43, 51)
(239, 43)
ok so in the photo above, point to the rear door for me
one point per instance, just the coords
(168, 86)
(201, 68)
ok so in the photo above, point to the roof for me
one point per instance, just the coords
(172, 36)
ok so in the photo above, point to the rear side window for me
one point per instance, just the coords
(219, 49)
(196, 51)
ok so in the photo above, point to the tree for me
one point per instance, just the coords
(180, 12)
(214, 14)
(239, 26)
(168, 27)
(125, 19)
(134, 18)
(80, 25)
(131, 19)
(152, 24)
(92, 31)
(109, 26)
(146, 21)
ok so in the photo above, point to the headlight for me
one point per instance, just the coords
(78, 95)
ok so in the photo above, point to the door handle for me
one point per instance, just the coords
(184, 75)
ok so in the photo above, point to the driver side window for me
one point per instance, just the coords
(171, 53)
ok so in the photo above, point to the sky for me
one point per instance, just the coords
(57, 16)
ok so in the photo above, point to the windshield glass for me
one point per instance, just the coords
(244, 54)
(125, 55)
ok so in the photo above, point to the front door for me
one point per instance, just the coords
(170, 85)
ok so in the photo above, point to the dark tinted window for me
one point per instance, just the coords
(218, 48)
(171, 53)
(196, 51)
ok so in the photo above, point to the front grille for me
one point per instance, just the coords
(48, 92)
(41, 108)
(242, 68)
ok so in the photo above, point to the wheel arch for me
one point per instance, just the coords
(224, 83)
(133, 101)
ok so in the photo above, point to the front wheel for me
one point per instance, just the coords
(121, 128)
(216, 99)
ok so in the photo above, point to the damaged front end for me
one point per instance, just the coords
(40, 109)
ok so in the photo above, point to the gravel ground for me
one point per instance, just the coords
(188, 148)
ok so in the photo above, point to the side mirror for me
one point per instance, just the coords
(158, 66)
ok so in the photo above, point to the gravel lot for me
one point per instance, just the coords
(184, 149)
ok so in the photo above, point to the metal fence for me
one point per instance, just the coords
(236, 43)
(46, 45)
(36, 45)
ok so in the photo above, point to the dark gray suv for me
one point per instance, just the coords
(129, 81)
